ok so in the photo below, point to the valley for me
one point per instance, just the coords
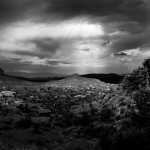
(75, 113)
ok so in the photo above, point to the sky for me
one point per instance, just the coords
(74, 36)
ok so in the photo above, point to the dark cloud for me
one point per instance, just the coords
(131, 27)
(32, 54)
(120, 54)
(44, 47)
(9, 61)
(18, 9)
(14, 10)
(130, 42)
(133, 9)
(53, 62)
(131, 17)
(105, 43)
(145, 46)
(86, 49)
(59, 62)
(27, 53)
(67, 62)
(14, 64)
(46, 44)
(128, 16)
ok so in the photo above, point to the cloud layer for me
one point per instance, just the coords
(68, 36)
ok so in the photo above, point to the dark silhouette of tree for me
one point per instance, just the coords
(1, 71)
(142, 100)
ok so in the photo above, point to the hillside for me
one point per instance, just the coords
(77, 81)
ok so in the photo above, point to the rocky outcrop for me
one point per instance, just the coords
(139, 79)
(146, 65)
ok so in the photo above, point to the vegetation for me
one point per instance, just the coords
(79, 117)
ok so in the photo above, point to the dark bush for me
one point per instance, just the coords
(24, 123)
(132, 138)
(106, 114)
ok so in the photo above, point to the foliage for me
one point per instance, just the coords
(24, 123)
(116, 118)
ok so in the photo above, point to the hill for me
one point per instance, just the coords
(77, 81)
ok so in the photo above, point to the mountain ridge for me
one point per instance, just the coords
(34, 75)
(107, 78)
(12, 80)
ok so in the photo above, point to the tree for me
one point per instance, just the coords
(106, 114)
(142, 101)
(1, 71)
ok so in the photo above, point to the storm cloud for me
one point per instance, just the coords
(98, 8)
(51, 32)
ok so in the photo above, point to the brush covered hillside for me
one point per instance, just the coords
(11, 80)
(77, 81)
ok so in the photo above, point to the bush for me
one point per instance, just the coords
(106, 114)
(132, 138)
(24, 123)
(142, 101)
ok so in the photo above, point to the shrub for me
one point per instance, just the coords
(106, 114)
(24, 123)
(142, 101)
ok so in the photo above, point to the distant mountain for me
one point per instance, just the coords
(35, 75)
(49, 77)
(77, 81)
(107, 78)
(11, 80)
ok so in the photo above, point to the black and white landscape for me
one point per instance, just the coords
(74, 74)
